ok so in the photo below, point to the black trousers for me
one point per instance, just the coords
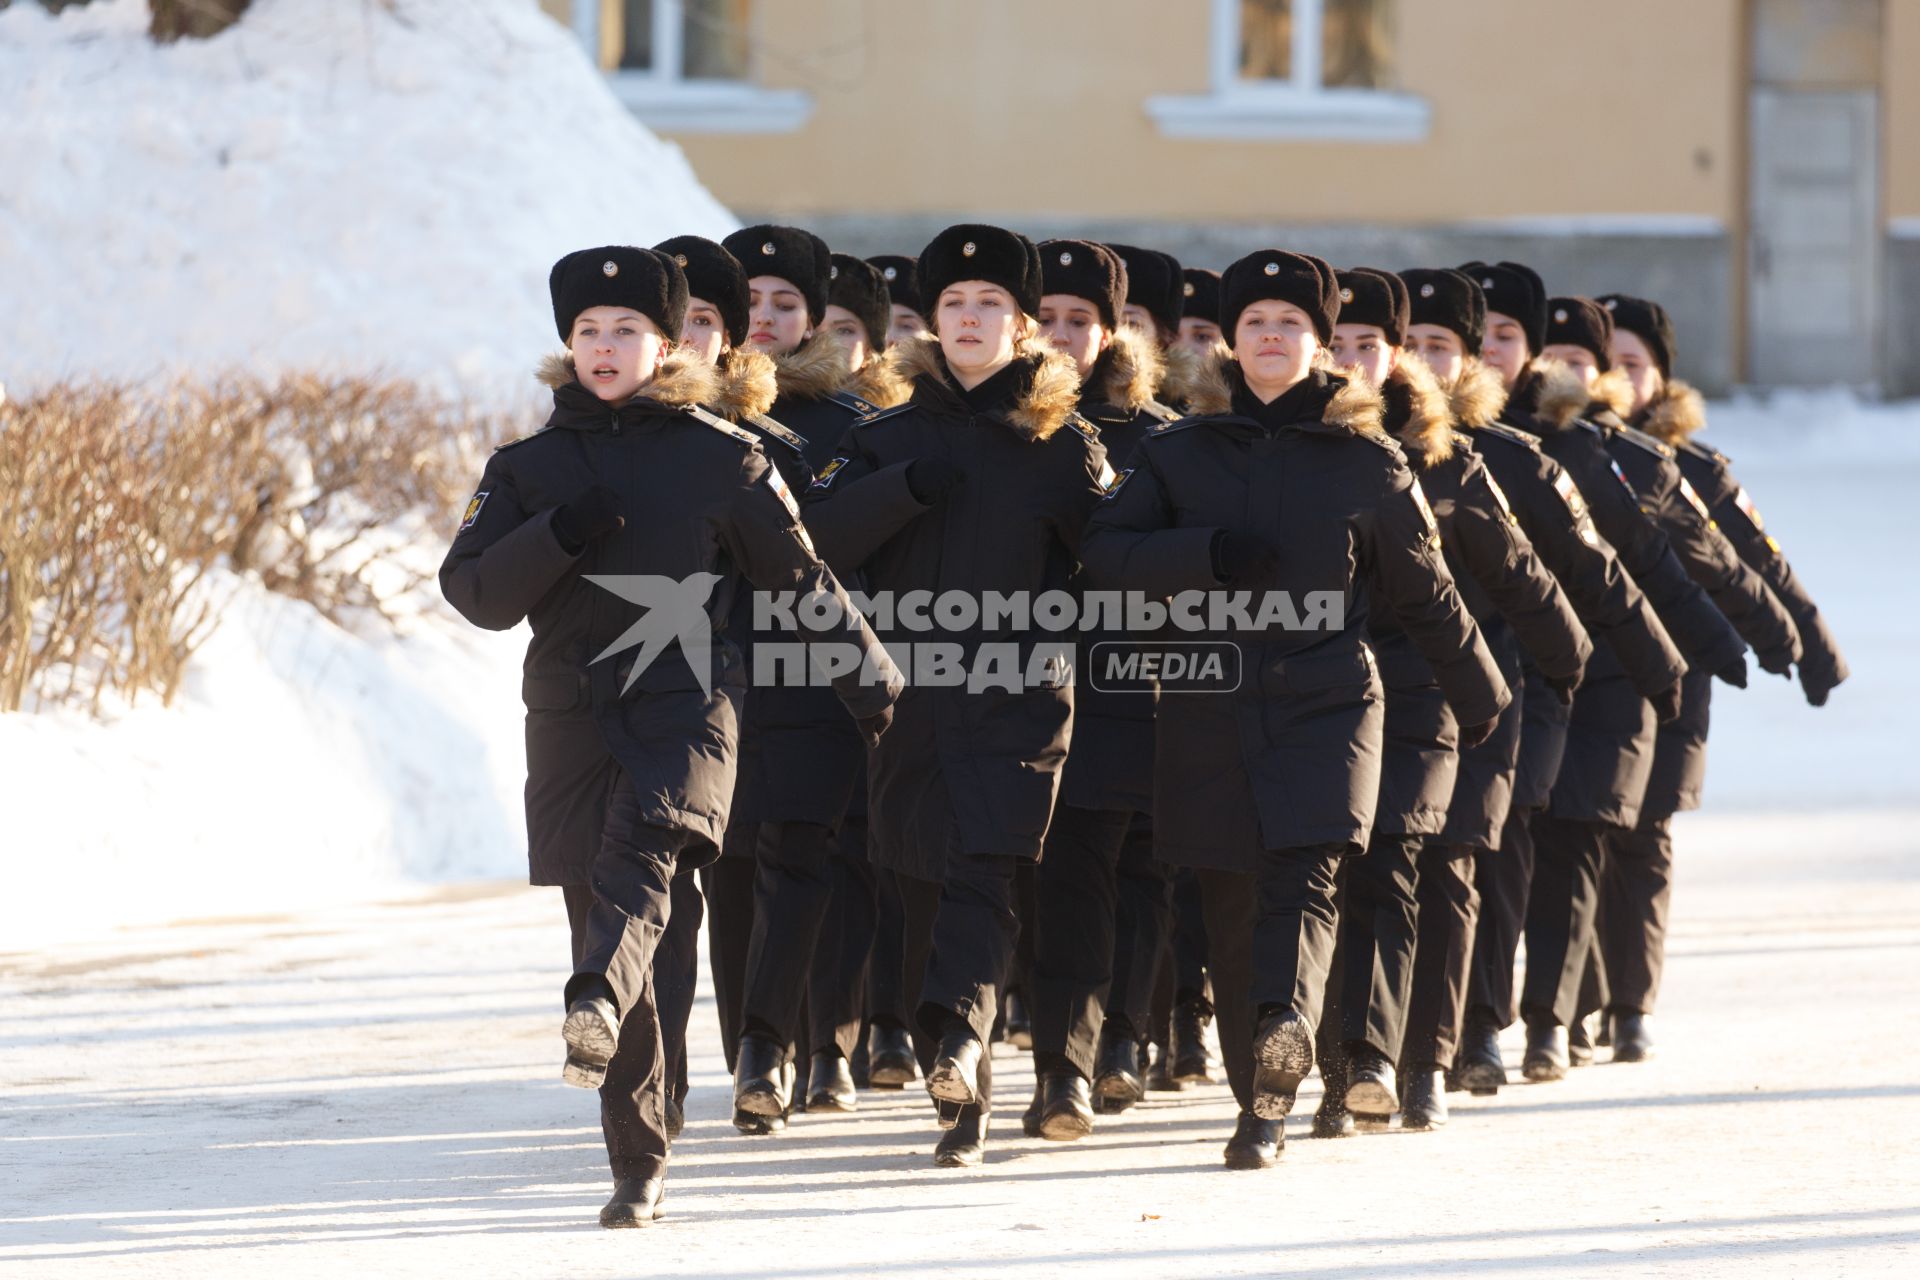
(1025, 905)
(1371, 980)
(837, 978)
(1076, 899)
(920, 904)
(1442, 958)
(887, 974)
(676, 977)
(1570, 861)
(729, 889)
(1270, 938)
(972, 939)
(1183, 966)
(1636, 897)
(1503, 881)
(1142, 928)
(793, 882)
(617, 925)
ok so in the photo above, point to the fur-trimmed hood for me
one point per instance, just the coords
(748, 384)
(818, 368)
(1565, 398)
(1356, 405)
(1477, 395)
(1674, 414)
(1428, 429)
(1128, 373)
(1042, 409)
(1185, 368)
(682, 379)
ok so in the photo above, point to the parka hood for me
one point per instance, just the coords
(682, 379)
(1675, 414)
(1042, 408)
(1355, 406)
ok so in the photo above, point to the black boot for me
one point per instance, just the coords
(830, 1083)
(676, 1117)
(758, 1126)
(1546, 1052)
(1580, 1042)
(1423, 1102)
(1160, 1071)
(1066, 1107)
(635, 1203)
(760, 1082)
(1372, 1092)
(592, 1031)
(955, 1074)
(890, 1063)
(1116, 1073)
(1030, 1118)
(1187, 1041)
(1282, 1058)
(1256, 1143)
(1019, 1022)
(1331, 1119)
(965, 1144)
(1632, 1036)
(1478, 1067)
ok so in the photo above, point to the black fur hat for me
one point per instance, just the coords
(897, 270)
(1200, 294)
(1085, 270)
(1299, 278)
(1154, 282)
(1516, 291)
(713, 276)
(977, 251)
(860, 288)
(1443, 296)
(1581, 322)
(801, 258)
(1372, 296)
(1647, 321)
(618, 276)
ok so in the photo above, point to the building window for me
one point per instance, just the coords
(1299, 69)
(685, 66)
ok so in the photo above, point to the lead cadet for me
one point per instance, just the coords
(630, 761)
(1283, 483)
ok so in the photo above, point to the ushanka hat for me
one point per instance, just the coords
(1087, 270)
(860, 288)
(713, 276)
(1516, 291)
(1276, 275)
(1450, 299)
(801, 258)
(1647, 321)
(1154, 282)
(651, 284)
(1581, 322)
(1200, 294)
(1379, 298)
(897, 270)
(976, 251)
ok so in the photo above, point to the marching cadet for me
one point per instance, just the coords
(1200, 312)
(1284, 485)
(981, 482)
(630, 761)
(908, 317)
(1516, 602)
(800, 760)
(1083, 1043)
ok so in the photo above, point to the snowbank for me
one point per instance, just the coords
(337, 185)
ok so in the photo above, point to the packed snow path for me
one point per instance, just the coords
(376, 1091)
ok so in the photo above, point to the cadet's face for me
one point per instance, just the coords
(1440, 347)
(1504, 347)
(1135, 316)
(1365, 347)
(1199, 336)
(908, 324)
(1631, 357)
(1579, 359)
(776, 316)
(615, 351)
(1072, 325)
(977, 323)
(1275, 344)
(845, 328)
(704, 333)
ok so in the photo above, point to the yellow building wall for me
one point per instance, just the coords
(1009, 107)
(1900, 109)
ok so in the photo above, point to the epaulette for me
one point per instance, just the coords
(881, 415)
(1705, 451)
(774, 431)
(1160, 412)
(848, 400)
(1088, 432)
(1461, 440)
(1178, 424)
(1591, 427)
(720, 424)
(1512, 435)
(516, 443)
(1652, 444)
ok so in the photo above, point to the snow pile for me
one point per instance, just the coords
(342, 185)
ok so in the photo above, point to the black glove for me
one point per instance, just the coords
(931, 479)
(1563, 687)
(1817, 685)
(1241, 557)
(1666, 703)
(1735, 673)
(1472, 735)
(1777, 662)
(591, 516)
(871, 727)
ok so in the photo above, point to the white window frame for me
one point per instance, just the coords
(1298, 108)
(666, 101)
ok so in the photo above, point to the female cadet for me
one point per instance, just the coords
(907, 317)
(980, 483)
(1285, 486)
(630, 762)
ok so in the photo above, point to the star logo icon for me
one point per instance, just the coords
(675, 609)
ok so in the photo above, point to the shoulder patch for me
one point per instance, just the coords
(720, 424)
(774, 431)
(1747, 509)
(824, 480)
(1512, 435)
(1087, 431)
(1499, 497)
(479, 500)
(1113, 485)
(848, 400)
(1652, 444)
(1625, 483)
(1692, 496)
